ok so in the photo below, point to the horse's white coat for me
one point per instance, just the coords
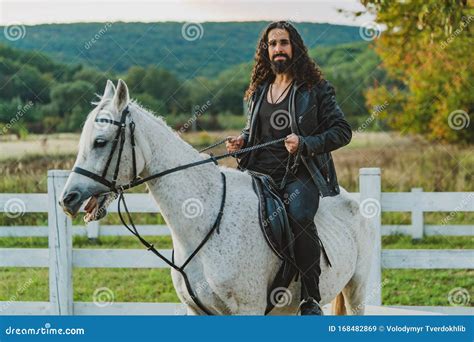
(233, 271)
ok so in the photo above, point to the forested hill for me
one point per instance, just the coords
(187, 50)
(30, 76)
(58, 63)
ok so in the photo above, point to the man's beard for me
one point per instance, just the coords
(281, 67)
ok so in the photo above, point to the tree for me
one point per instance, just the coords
(427, 47)
(164, 86)
(73, 103)
(134, 79)
(95, 77)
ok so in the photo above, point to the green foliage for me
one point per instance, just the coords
(158, 88)
(94, 77)
(351, 68)
(427, 48)
(72, 100)
(24, 81)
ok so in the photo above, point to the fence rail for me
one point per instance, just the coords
(162, 230)
(140, 258)
(395, 202)
(61, 258)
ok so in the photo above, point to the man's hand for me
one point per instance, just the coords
(291, 143)
(234, 143)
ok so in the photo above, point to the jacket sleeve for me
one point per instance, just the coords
(337, 132)
(246, 131)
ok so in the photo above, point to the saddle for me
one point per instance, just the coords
(276, 230)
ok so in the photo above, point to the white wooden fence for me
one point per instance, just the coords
(60, 257)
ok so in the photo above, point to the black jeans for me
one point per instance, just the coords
(301, 198)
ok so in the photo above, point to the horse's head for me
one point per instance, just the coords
(99, 168)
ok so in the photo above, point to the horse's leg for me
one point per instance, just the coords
(354, 296)
(355, 291)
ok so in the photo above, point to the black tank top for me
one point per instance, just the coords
(273, 122)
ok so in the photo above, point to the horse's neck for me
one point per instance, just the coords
(188, 199)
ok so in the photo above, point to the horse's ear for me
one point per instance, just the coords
(121, 97)
(109, 91)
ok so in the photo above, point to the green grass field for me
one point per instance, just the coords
(401, 287)
(405, 163)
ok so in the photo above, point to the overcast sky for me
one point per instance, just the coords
(29, 12)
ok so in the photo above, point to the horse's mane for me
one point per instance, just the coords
(134, 106)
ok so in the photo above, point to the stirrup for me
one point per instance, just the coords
(308, 300)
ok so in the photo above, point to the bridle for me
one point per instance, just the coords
(118, 191)
(119, 139)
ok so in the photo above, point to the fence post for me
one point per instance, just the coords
(370, 207)
(92, 229)
(416, 215)
(60, 247)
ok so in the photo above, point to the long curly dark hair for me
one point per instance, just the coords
(302, 68)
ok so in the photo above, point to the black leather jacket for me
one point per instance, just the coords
(320, 124)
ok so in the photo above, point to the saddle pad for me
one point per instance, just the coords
(276, 230)
(273, 217)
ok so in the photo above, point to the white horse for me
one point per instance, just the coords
(232, 273)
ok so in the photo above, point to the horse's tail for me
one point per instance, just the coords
(338, 305)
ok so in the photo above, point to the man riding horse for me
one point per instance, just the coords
(288, 97)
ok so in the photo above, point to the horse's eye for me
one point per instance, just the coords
(99, 143)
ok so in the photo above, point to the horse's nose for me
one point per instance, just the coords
(70, 199)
